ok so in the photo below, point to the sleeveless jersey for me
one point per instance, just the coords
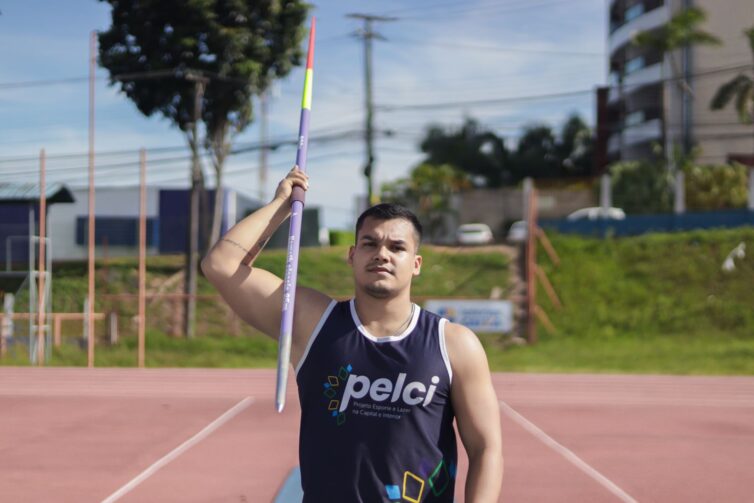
(376, 416)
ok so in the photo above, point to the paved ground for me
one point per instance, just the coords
(212, 435)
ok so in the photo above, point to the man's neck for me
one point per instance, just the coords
(383, 317)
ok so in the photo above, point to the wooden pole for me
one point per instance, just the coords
(531, 264)
(142, 252)
(90, 295)
(547, 245)
(41, 267)
(548, 287)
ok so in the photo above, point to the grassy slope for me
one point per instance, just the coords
(655, 303)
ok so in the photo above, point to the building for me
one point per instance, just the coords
(117, 220)
(646, 103)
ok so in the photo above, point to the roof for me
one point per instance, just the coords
(14, 193)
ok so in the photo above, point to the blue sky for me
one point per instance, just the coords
(437, 53)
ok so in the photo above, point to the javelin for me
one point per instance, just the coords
(294, 234)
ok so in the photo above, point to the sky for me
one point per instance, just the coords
(440, 62)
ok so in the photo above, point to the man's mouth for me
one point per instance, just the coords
(379, 269)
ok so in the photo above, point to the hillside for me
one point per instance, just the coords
(655, 303)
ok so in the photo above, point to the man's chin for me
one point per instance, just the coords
(378, 291)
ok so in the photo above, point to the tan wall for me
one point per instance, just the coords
(495, 207)
(718, 132)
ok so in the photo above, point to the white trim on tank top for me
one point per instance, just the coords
(315, 333)
(444, 349)
(392, 338)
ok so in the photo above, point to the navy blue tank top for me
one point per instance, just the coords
(376, 416)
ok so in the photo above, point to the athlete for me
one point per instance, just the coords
(380, 380)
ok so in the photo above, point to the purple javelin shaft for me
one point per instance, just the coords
(291, 269)
(294, 238)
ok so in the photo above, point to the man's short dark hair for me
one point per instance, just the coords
(390, 211)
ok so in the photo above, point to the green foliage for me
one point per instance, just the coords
(652, 303)
(641, 187)
(342, 238)
(739, 90)
(239, 45)
(681, 31)
(428, 192)
(714, 187)
(476, 151)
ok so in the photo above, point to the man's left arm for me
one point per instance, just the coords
(477, 413)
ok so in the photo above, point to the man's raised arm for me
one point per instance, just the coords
(254, 294)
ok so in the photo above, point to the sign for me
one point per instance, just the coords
(487, 316)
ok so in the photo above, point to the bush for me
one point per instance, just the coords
(715, 187)
(641, 187)
(341, 238)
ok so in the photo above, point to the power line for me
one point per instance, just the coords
(453, 45)
(493, 101)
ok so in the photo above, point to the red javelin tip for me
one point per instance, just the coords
(310, 54)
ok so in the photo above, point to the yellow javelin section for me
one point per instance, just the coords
(306, 102)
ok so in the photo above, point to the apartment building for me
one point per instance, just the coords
(649, 102)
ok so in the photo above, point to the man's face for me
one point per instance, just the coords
(384, 259)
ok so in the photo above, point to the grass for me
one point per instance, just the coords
(657, 303)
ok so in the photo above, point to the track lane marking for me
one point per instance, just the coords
(566, 453)
(167, 458)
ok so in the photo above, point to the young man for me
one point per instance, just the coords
(380, 380)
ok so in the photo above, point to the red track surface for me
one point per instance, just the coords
(81, 435)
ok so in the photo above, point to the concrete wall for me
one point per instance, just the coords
(498, 207)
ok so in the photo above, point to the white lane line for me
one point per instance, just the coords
(188, 444)
(566, 453)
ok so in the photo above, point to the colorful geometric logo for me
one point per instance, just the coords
(393, 492)
(413, 487)
(333, 393)
(439, 479)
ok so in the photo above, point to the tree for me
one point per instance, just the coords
(641, 187)
(576, 147)
(739, 90)
(201, 60)
(536, 155)
(428, 191)
(478, 152)
(680, 32)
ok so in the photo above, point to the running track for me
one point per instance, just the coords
(195, 435)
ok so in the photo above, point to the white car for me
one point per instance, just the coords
(474, 234)
(597, 213)
(518, 232)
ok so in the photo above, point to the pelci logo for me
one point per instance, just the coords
(384, 398)
(333, 392)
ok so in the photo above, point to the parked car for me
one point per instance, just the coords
(518, 232)
(597, 213)
(474, 234)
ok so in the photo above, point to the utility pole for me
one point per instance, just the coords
(192, 265)
(263, 140)
(366, 34)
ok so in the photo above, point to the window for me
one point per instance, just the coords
(634, 11)
(116, 231)
(634, 64)
(634, 118)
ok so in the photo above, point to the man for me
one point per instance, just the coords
(380, 380)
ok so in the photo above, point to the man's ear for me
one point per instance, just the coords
(417, 265)
(349, 260)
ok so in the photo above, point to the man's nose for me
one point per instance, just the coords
(381, 253)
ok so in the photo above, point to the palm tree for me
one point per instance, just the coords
(680, 32)
(739, 89)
